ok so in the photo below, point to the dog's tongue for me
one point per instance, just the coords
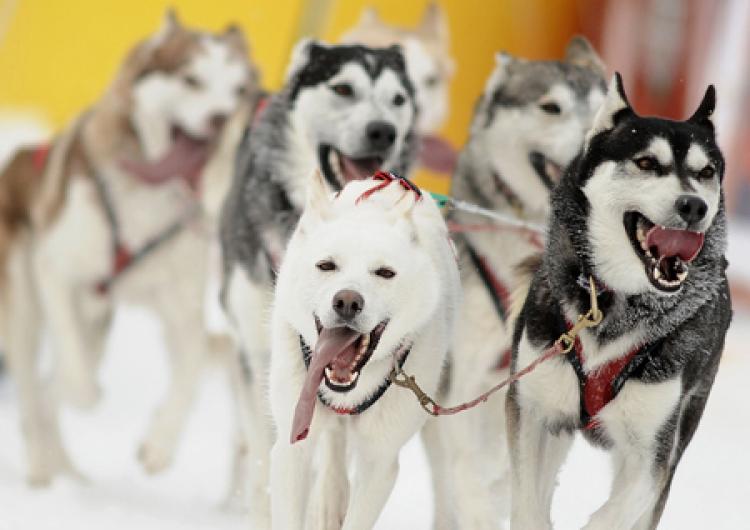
(331, 343)
(669, 242)
(437, 155)
(184, 159)
(358, 169)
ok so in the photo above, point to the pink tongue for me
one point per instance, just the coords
(331, 343)
(185, 158)
(359, 170)
(670, 242)
(437, 155)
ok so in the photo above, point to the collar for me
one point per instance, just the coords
(366, 404)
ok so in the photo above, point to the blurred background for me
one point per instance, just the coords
(57, 57)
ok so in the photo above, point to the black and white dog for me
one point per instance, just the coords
(346, 111)
(641, 211)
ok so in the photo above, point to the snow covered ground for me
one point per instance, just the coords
(710, 490)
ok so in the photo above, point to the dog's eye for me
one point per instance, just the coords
(191, 81)
(431, 81)
(399, 100)
(385, 272)
(550, 108)
(646, 163)
(344, 90)
(240, 91)
(707, 173)
(326, 265)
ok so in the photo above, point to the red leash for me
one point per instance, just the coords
(564, 343)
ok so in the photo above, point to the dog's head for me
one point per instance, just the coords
(362, 277)
(531, 120)
(652, 189)
(353, 105)
(183, 86)
(428, 61)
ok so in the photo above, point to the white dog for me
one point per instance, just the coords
(369, 279)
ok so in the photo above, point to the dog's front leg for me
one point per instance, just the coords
(75, 367)
(330, 493)
(290, 478)
(180, 308)
(376, 468)
(634, 490)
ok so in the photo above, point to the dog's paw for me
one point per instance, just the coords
(47, 464)
(325, 512)
(82, 392)
(155, 457)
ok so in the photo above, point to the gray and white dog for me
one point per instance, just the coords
(641, 212)
(345, 110)
(529, 122)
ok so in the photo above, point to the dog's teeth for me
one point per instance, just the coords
(681, 276)
(657, 273)
(329, 374)
(365, 340)
(641, 235)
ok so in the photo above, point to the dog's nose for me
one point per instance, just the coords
(348, 304)
(691, 208)
(217, 121)
(380, 134)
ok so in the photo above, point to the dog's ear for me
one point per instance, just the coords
(170, 21)
(703, 116)
(580, 52)
(369, 18)
(302, 54)
(434, 24)
(318, 203)
(613, 109)
(403, 207)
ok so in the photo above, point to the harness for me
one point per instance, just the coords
(366, 404)
(124, 258)
(600, 386)
(499, 294)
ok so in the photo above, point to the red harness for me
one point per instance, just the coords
(600, 386)
(40, 156)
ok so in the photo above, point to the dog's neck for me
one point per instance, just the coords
(568, 257)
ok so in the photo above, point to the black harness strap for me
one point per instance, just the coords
(487, 280)
(369, 402)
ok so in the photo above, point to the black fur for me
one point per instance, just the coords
(687, 327)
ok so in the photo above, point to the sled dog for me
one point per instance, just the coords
(107, 214)
(369, 281)
(640, 214)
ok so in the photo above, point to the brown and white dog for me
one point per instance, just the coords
(430, 66)
(110, 213)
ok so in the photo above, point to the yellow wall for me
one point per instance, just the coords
(57, 55)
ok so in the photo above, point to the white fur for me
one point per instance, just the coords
(164, 100)
(609, 191)
(317, 107)
(430, 83)
(696, 158)
(420, 303)
(613, 103)
(72, 251)
(660, 148)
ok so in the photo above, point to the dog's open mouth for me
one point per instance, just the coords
(353, 351)
(665, 252)
(548, 171)
(340, 169)
(185, 158)
(338, 358)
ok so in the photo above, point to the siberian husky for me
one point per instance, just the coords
(109, 214)
(641, 212)
(369, 280)
(346, 111)
(529, 122)
(430, 66)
